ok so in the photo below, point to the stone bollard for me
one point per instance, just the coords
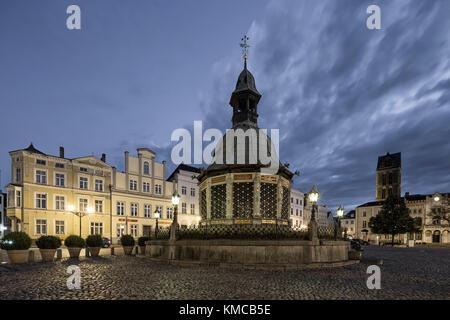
(58, 254)
(31, 256)
(112, 251)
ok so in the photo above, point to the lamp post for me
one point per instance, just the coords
(174, 226)
(156, 214)
(313, 197)
(340, 214)
(71, 208)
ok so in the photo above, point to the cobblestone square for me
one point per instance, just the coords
(406, 273)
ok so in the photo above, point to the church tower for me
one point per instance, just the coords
(389, 176)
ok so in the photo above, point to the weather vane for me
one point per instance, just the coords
(244, 46)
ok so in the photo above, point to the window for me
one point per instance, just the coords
(192, 192)
(99, 206)
(60, 227)
(42, 162)
(146, 168)
(296, 201)
(160, 210)
(10, 198)
(146, 187)
(18, 198)
(120, 208)
(41, 176)
(59, 202)
(296, 212)
(364, 224)
(169, 212)
(383, 194)
(59, 165)
(183, 190)
(352, 222)
(83, 183)
(292, 211)
(41, 226)
(134, 230)
(82, 205)
(133, 185)
(301, 202)
(147, 211)
(420, 210)
(183, 207)
(120, 230)
(292, 200)
(18, 175)
(158, 189)
(41, 201)
(192, 208)
(301, 213)
(134, 209)
(97, 228)
(59, 179)
(364, 214)
(98, 185)
(83, 169)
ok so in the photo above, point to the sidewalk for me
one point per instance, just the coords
(118, 251)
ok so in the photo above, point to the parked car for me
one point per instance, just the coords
(362, 242)
(106, 243)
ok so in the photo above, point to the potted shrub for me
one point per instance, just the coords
(47, 246)
(94, 242)
(17, 245)
(141, 243)
(74, 244)
(127, 242)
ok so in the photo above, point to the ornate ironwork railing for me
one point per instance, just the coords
(329, 232)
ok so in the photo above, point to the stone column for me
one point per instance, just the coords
(257, 195)
(229, 199)
(140, 173)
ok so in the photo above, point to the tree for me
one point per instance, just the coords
(394, 219)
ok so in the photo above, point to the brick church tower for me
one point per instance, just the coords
(389, 176)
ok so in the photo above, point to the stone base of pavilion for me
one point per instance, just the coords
(250, 254)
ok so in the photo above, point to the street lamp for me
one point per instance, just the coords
(313, 197)
(156, 214)
(340, 214)
(173, 227)
(71, 208)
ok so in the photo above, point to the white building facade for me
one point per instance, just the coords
(296, 213)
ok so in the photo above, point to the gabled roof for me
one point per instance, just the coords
(184, 167)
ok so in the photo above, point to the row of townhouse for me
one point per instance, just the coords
(55, 195)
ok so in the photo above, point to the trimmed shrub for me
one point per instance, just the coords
(94, 240)
(74, 241)
(16, 241)
(141, 241)
(48, 242)
(127, 240)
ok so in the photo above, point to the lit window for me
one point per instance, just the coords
(183, 207)
(192, 208)
(97, 228)
(134, 230)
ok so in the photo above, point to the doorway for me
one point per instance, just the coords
(436, 236)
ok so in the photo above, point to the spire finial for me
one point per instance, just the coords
(244, 47)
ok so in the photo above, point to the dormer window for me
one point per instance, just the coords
(82, 169)
(41, 162)
(146, 168)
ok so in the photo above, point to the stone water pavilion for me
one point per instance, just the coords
(245, 206)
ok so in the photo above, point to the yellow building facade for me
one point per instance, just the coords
(50, 195)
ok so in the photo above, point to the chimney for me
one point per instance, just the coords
(103, 157)
(61, 152)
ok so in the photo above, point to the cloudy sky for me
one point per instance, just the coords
(340, 94)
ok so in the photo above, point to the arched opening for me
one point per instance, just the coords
(436, 236)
